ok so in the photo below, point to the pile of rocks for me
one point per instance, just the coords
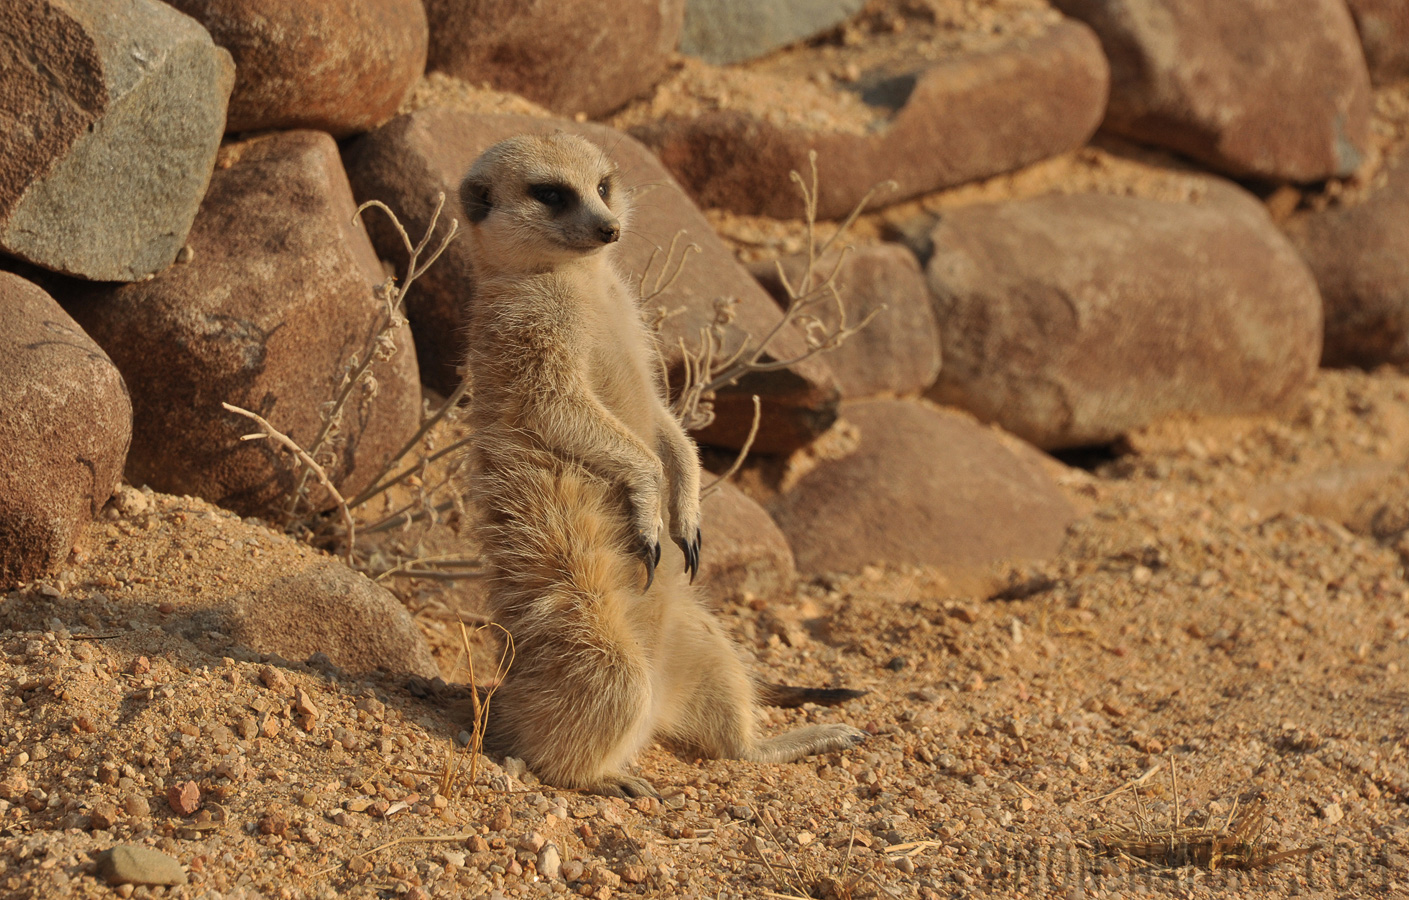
(178, 185)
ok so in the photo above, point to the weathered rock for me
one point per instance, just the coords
(924, 486)
(1069, 320)
(320, 607)
(730, 31)
(972, 116)
(131, 864)
(1384, 36)
(412, 158)
(590, 56)
(748, 557)
(339, 67)
(277, 297)
(112, 115)
(898, 351)
(1248, 87)
(1360, 255)
(65, 424)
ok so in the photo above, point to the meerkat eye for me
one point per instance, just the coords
(604, 188)
(553, 196)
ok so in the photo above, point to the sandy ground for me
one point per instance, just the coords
(1212, 613)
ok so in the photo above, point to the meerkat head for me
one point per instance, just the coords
(535, 201)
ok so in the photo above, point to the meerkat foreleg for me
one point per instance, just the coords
(574, 425)
(682, 482)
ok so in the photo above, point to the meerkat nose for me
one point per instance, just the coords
(609, 232)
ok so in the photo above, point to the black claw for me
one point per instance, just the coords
(650, 555)
(691, 549)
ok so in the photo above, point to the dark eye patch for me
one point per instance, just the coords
(555, 196)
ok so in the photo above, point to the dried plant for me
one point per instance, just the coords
(1238, 843)
(713, 364)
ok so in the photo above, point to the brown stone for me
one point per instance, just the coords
(1069, 320)
(898, 351)
(589, 56)
(746, 556)
(111, 116)
(975, 115)
(1360, 255)
(925, 486)
(65, 424)
(412, 158)
(276, 298)
(184, 798)
(339, 67)
(1249, 88)
(1384, 36)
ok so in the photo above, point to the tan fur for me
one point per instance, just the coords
(578, 466)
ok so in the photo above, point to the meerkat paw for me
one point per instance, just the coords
(691, 548)
(648, 550)
(628, 787)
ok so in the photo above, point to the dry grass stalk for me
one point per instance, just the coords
(311, 465)
(804, 882)
(1238, 843)
(480, 710)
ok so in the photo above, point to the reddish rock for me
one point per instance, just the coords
(1360, 255)
(1249, 88)
(339, 67)
(112, 113)
(589, 56)
(1384, 36)
(1069, 320)
(975, 115)
(925, 486)
(412, 158)
(184, 798)
(747, 556)
(276, 298)
(898, 351)
(320, 607)
(65, 424)
(731, 31)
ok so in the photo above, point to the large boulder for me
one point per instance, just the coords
(589, 56)
(1360, 255)
(924, 486)
(339, 67)
(1384, 35)
(65, 424)
(112, 113)
(971, 115)
(897, 352)
(1248, 87)
(411, 159)
(1071, 319)
(748, 558)
(277, 298)
(730, 31)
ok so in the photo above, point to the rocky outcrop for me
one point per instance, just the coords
(587, 57)
(1248, 88)
(897, 352)
(65, 424)
(112, 115)
(973, 115)
(748, 557)
(730, 31)
(1360, 255)
(924, 486)
(338, 67)
(1069, 320)
(1384, 35)
(413, 158)
(276, 298)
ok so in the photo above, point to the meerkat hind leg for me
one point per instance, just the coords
(718, 708)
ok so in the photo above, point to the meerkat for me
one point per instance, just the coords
(577, 469)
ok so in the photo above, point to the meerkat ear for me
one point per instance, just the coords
(476, 199)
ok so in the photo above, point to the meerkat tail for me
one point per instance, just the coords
(786, 696)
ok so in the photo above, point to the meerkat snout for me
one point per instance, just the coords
(610, 231)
